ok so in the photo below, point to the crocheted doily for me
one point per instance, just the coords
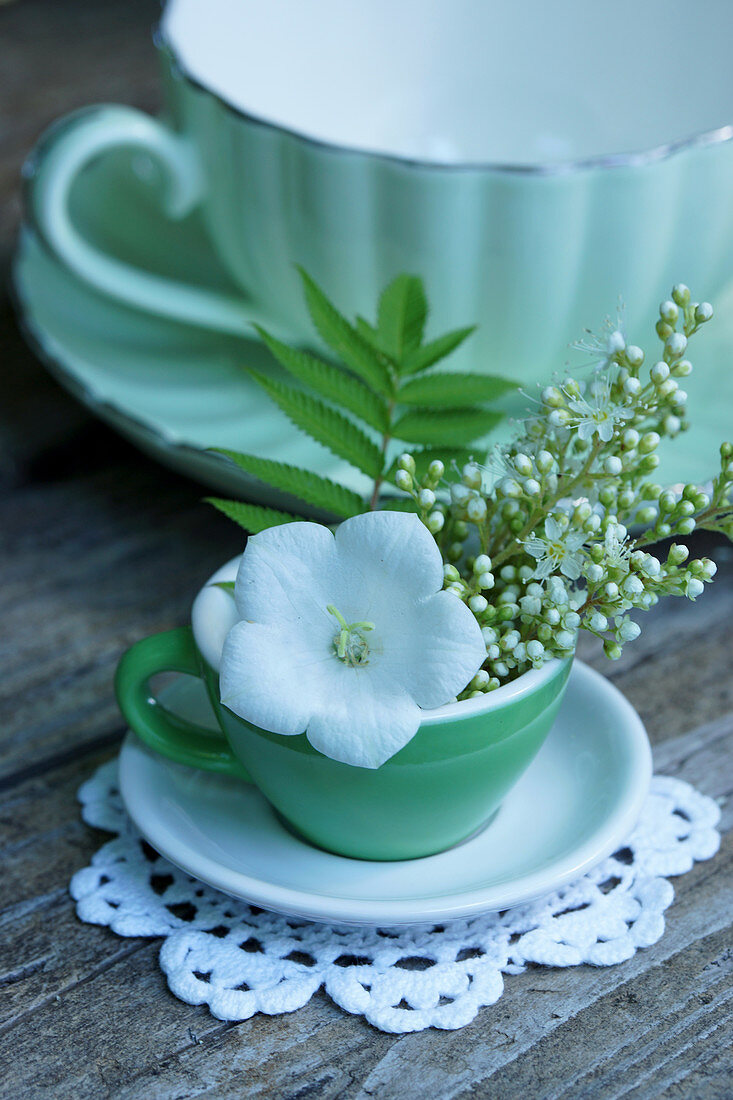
(240, 960)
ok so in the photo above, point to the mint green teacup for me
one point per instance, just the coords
(527, 186)
(435, 792)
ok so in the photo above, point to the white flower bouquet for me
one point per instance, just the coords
(474, 572)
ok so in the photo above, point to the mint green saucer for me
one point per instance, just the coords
(176, 390)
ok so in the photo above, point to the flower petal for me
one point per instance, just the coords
(289, 575)
(395, 553)
(442, 651)
(365, 722)
(269, 679)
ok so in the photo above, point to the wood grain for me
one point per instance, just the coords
(99, 546)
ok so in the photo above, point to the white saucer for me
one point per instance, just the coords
(575, 805)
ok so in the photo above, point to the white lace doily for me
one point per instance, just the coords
(240, 960)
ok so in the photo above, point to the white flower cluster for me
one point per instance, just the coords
(537, 542)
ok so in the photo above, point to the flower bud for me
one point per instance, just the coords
(564, 639)
(681, 294)
(403, 480)
(426, 498)
(435, 522)
(631, 438)
(471, 475)
(613, 465)
(669, 312)
(646, 515)
(634, 356)
(544, 462)
(436, 469)
(523, 465)
(509, 487)
(559, 418)
(672, 425)
(612, 650)
(406, 462)
(594, 573)
(485, 580)
(632, 586)
(535, 650)
(629, 630)
(667, 388)
(676, 344)
(694, 588)
(476, 509)
(480, 681)
(615, 343)
(682, 369)
(659, 372)
(598, 622)
(478, 604)
(459, 494)
(703, 312)
(482, 564)
(648, 443)
(632, 386)
(686, 526)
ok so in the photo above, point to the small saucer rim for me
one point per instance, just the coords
(323, 908)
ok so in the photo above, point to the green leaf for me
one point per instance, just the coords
(367, 332)
(341, 436)
(308, 487)
(330, 382)
(228, 586)
(401, 318)
(447, 455)
(444, 390)
(253, 517)
(336, 331)
(445, 427)
(438, 349)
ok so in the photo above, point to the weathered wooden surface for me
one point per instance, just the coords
(99, 546)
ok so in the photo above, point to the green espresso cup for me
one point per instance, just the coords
(442, 787)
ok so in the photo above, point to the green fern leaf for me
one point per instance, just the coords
(306, 486)
(429, 354)
(343, 338)
(449, 456)
(330, 382)
(401, 317)
(340, 435)
(253, 517)
(445, 390)
(445, 427)
(367, 332)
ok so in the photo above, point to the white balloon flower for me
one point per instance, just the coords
(348, 636)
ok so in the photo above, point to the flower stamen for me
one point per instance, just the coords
(349, 643)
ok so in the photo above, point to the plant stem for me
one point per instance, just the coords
(386, 439)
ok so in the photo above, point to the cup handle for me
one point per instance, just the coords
(50, 174)
(168, 734)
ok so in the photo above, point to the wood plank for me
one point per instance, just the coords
(320, 1046)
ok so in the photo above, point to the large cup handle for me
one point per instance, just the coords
(50, 174)
(172, 736)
